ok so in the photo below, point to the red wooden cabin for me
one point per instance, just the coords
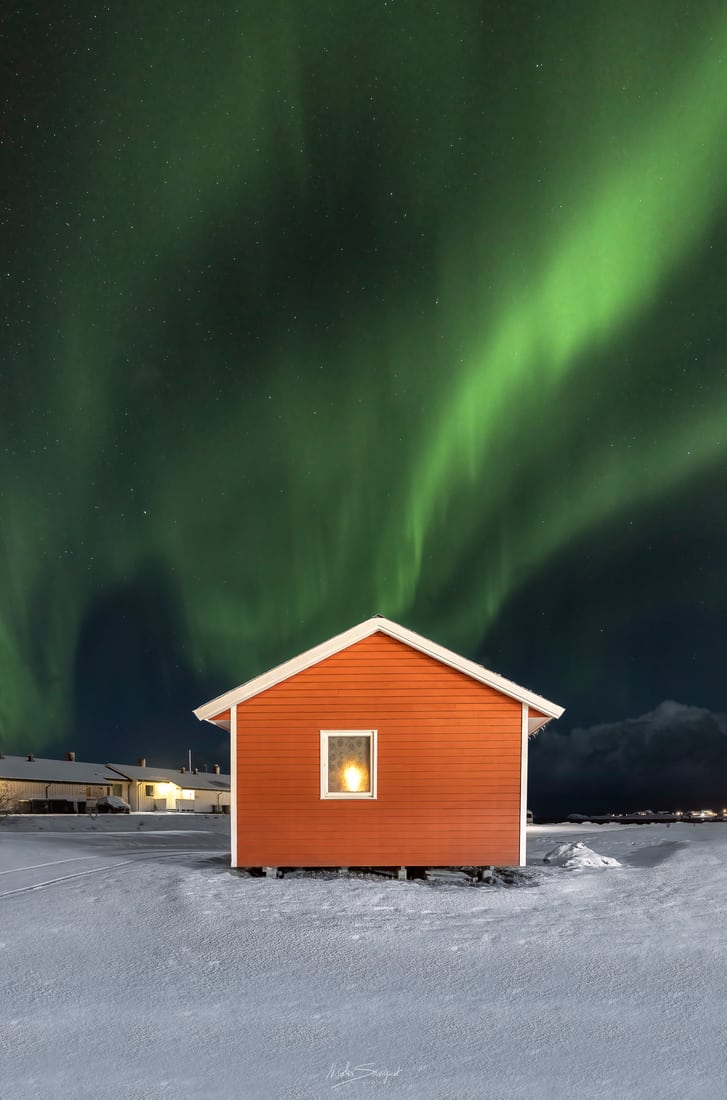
(379, 748)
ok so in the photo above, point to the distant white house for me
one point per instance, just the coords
(30, 784)
(167, 789)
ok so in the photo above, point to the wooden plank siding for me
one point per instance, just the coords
(29, 789)
(23, 790)
(448, 767)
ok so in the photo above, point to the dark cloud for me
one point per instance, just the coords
(674, 757)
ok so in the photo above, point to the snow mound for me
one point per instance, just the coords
(578, 855)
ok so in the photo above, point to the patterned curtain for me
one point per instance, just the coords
(349, 764)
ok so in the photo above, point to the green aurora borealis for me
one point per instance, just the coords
(319, 310)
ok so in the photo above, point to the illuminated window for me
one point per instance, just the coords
(348, 763)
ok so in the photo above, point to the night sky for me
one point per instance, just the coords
(314, 310)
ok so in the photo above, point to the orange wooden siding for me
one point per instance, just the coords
(448, 765)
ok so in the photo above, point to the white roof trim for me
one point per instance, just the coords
(378, 624)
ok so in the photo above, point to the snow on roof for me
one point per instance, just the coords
(44, 770)
(203, 781)
(377, 624)
(55, 771)
(151, 775)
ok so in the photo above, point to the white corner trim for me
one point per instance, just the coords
(378, 624)
(524, 724)
(233, 786)
(346, 796)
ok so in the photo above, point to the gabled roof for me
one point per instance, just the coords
(151, 775)
(42, 770)
(202, 781)
(71, 771)
(378, 624)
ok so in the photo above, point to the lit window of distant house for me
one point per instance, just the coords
(348, 763)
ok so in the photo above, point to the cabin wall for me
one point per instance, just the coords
(211, 802)
(449, 752)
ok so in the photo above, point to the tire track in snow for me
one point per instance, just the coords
(65, 878)
(91, 871)
(36, 866)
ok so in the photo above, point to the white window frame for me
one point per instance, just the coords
(346, 795)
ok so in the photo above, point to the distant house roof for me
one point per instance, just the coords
(149, 775)
(42, 770)
(378, 624)
(202, 781)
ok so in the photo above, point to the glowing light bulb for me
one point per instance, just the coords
(352, 777)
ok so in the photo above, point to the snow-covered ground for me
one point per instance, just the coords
(160, 974)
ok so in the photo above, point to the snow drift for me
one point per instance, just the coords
(577, 854)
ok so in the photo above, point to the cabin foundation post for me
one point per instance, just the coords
(270, 872)
(342, 872)
(401, 874)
